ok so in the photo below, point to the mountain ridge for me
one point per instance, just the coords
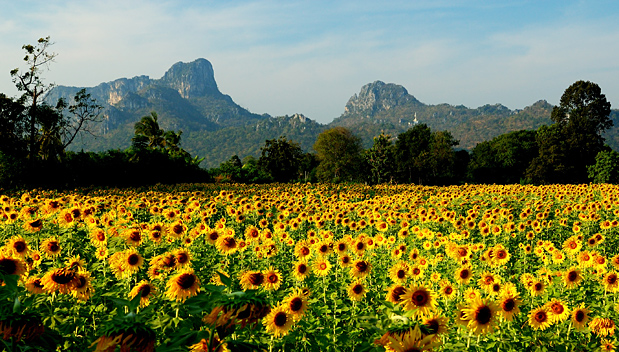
(187, 97)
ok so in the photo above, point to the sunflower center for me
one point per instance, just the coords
(433, 326)
(256, 279)
(230, 242)
(579, 316)
(557, 308)
(401, 274)
(420, 298)
(81, 282)
(538, 286)
(280, 319)
(397, 292)
(341, 247)
(483, 315)
(7, 266)
(296, 304)
(135, 236)
(323, 266)
(464, 274)
(361, 266)
(302, 268)
(272, 278)
(416, 271)
(101, 236)
(186, 281)
(448, 290)
(357, 289)
(360, 246)
(63, 277)
(19, 246)
(611, 279)
(508, 305)
(53, 247)
(133, 259)
(572, 276)
(540, 317)
(144, 291)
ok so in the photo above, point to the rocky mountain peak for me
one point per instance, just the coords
(378, 96)
(192, 80)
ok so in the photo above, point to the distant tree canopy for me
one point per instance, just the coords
(504, 159)
(568, 146)
(281, 159)
(339, 152)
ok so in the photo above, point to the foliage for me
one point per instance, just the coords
(281, 159)
(606, 167)
(381, 160)
(504, 159)
(573, 141)
(339, 152)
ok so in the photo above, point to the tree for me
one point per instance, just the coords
(44, 129)
(606, 167)
(437, 164)
(381, 160)
(409, 147)
(281, 159)
(579, 120)
(31, 84)
(504, 159)
(339, 153)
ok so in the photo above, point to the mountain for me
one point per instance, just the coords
(185, 98)
(215, 127)
(389, 108)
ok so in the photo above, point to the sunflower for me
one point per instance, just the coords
(580, 317)
(301, 270)
(34, 285)
(51, 247)
(602, 326)
(572, 277)
(356, 290)
(133, 237)
(607, 346)
(360, 269)
(296, 304)
(98, 237)
(481, 316)
(435, 325)
(557, 310)
(146, 291)
(463, 275)
(321, 267)
(58, 280)
(252, 280)
(34, 225)
(183, 257)
(447, 290)
(399, 272)
(11, 266)
(18, 246)
(227, 244)
(272, 279)
(183, 285)
(75, 263)
(420, 299)
(82, 288)
(611, 282)
(395, 293)
(278, 322)
(537, 288)
(539, 318)
(129, 262)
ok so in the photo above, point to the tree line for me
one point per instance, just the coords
(571, 150)
(34, 137)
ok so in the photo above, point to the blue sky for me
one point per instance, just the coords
(309, 57)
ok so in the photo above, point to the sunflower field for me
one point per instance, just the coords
(311, 267)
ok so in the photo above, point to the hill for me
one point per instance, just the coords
(215, 127)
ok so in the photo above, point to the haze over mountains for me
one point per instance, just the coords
(215, 127)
